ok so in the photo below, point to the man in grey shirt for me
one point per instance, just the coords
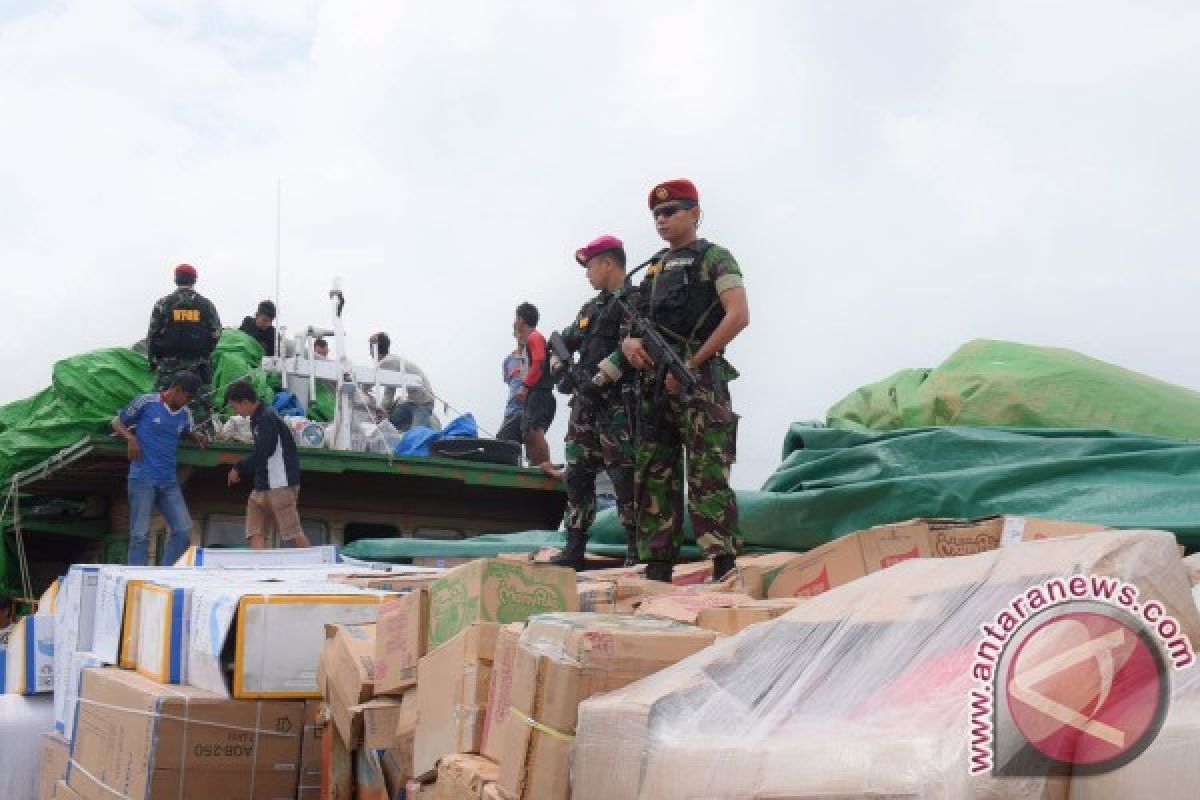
(417, 408)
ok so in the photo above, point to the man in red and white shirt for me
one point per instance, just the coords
(537, 390)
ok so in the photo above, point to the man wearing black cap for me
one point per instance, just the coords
(261, 327)
(598, 430)
(184, 329)
(152, 425)
(693, 295)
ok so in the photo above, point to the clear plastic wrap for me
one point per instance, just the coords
(861, 692)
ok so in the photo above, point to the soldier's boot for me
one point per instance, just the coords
(574, 554)
(659, 571)
(631, 549)
(723, 565)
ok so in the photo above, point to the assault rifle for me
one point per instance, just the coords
(665, 359)
(568, 383)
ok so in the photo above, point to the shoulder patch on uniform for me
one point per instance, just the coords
(583, 322)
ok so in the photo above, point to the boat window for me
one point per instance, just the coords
(368, 530)
(229, 530)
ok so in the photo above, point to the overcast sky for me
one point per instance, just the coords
(894, 178)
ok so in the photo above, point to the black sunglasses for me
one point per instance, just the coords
(668, 210)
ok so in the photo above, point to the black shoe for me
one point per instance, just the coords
(574, 554)
(722, 566)
(659, 571)
(631, 551)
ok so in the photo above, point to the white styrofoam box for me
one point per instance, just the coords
(72, 629)
(274, 632)
(72, 683)
(164, 620)
(29, 666)
(280, 557)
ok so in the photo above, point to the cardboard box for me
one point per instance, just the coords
(350, 662)
(64, 792)
(397, 582)
(380, 722)
(56, 752)
(563, 659)
(416, 790)
(1033, 529)
(452, 691)
(731, 620)
(397, 759)
(809, 574)
(463, 777)
(275, 633)
(29, 665)
(164, 630)
(310, 745)
(499, 692)
(131, 736)
(598, 596)
(402, 638)
(686, 607)
(887, 545)
(491, 590)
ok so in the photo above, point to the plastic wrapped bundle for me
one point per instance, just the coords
(862, 692)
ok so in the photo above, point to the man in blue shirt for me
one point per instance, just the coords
(152, 426)
(513, 372)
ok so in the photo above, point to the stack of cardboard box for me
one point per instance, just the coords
(407, 696)
(545, 670)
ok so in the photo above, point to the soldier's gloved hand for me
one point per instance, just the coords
(608, 373)
(556, 364)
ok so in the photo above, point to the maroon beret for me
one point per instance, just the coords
(597, 246)
(186, 270)
(678, 189)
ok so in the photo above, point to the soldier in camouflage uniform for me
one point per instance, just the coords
(598, 431)
(693, 294)
(184, 329)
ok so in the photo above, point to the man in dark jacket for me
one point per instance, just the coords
(275, 466)
(262, 327)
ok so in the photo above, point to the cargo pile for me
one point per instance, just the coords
(843, 671)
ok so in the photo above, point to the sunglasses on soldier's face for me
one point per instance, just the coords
(668, 210)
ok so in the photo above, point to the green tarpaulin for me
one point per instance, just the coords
(835, 482)
(991, 383)
(485, 546)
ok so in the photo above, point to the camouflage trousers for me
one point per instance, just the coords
(598, 439)
(696, 439)
(167, 367)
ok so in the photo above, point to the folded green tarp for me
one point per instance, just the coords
(1002, 384)
(486, 546)
(837, 482)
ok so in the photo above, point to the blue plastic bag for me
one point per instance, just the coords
(416, 441)
(286, 405)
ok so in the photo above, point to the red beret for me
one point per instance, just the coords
(678, 189)
(186, 269)
(597, 246)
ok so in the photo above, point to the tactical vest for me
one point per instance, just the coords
(678, 299)
(600, 321)
(185, 329)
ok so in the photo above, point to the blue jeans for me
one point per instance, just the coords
(144, 496)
